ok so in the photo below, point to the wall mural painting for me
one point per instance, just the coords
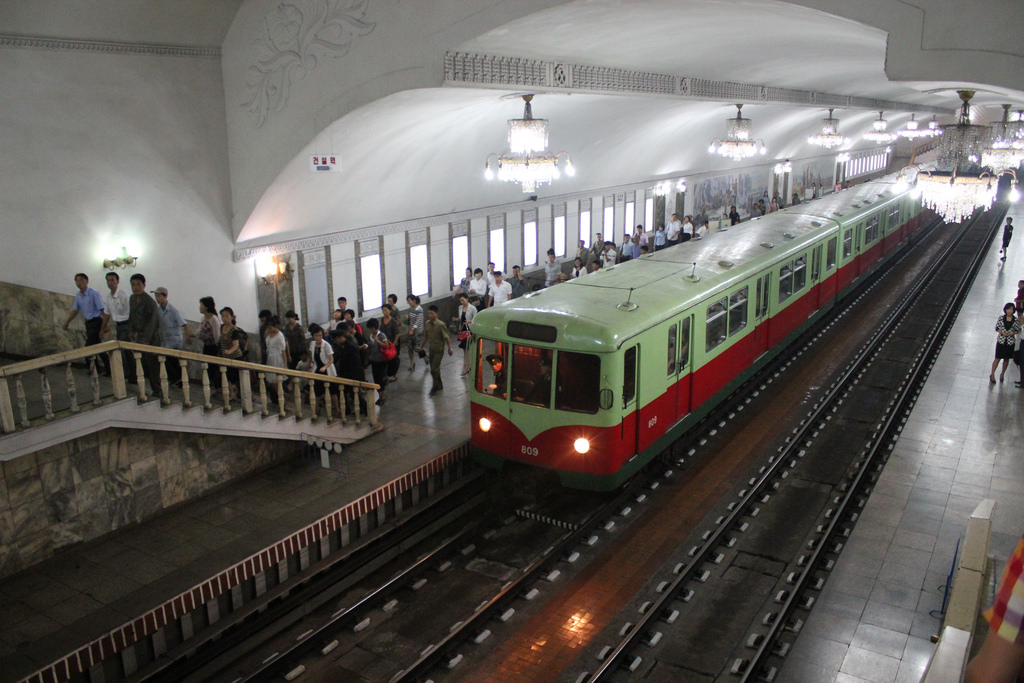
(814, 172)
(715, 195)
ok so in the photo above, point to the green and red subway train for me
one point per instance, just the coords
(593, 377)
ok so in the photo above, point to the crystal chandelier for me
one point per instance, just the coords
(954, 196)
(527, 160)
(829, 136)
(912, 131)
(963, 142)
(878, 134)
(737, 144)
(961, 186)
(1006, 150)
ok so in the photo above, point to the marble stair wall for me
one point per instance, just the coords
(31, 321)
(90, 486)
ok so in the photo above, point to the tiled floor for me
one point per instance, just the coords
(88, 590)
(874, 619)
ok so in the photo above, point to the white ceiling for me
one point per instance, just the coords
(428, 146)
(420, 153)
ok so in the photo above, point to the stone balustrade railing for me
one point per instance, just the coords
(58, 383)
(954, 647)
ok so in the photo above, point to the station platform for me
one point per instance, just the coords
(81, 594)
(872, 622)
(881, 605)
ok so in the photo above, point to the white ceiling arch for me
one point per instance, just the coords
(419, 153)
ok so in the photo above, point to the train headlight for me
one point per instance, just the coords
(485, 424)
(581, 445)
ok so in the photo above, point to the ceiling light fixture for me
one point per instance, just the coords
(829, 136)
(737, 144)
(958, 186)
(527, 160)
(1006, 149)
(878, 134)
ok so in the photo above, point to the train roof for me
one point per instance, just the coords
(591, 312)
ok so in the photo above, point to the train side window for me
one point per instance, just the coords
(830, 255)
(799, 274)
(761, 309)
(531, 375)
(684, 344)
(578, 388)
(847, 243)
(716, 320)
(871, 231)
(785, 281)
(738, 310)
(629, 377)
(672, 349)
(816, 264)
(492, 368)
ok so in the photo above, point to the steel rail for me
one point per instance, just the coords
(888, 433)
(755, 491)
(471, 626)
(288, 602)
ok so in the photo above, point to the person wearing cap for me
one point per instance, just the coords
(172, 328)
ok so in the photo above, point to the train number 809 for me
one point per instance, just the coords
(530, 450)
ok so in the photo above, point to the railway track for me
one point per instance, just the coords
(418, 603)
(788, 523)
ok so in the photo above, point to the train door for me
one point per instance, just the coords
(679, 364)
(816, 275)
(858, 235)
(630, 398)
(761, 314)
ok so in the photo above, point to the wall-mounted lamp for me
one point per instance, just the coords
(122, 261)
(272, 271)
(782, 168)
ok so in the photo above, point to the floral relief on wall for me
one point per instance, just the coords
(293, 38)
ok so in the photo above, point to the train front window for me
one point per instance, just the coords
(492, 368)
(531, 376)
(578, 388)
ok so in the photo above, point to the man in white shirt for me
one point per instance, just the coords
(687, 232)
(673, 230)
(478, 289)
(116, 309)
(502, 291)
(609, 257)
(490, 274)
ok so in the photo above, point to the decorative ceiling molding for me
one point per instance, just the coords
(465, 68)
(109, 47)
(292, 37)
